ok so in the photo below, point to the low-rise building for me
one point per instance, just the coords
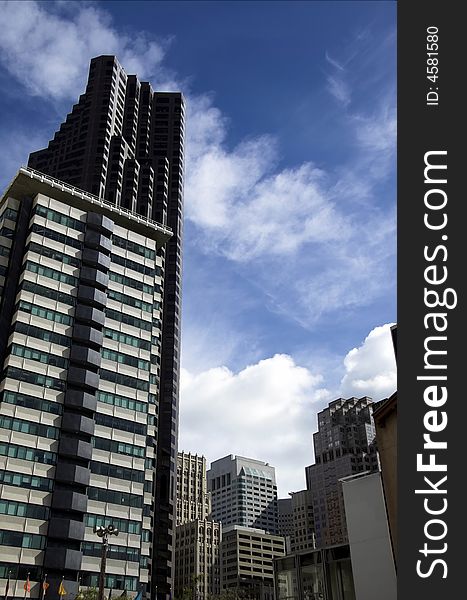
(247, 559)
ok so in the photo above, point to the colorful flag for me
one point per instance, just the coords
(45, 585)
(27, 585)
(139, 595)
(61, 589)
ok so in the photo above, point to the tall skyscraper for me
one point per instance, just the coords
(193, 500)
(344, 444)
(243, 492)
(90, 329)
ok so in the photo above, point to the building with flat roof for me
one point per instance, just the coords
(247, 558)
(243, 492)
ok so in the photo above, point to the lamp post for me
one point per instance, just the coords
(104, 532)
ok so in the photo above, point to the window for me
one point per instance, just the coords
(48, 292)
(44, 313)
(32, 454)
(121, 401)
(123, 424)
(123, 525)
(128, 319)
(125, 380)
(35, 378)
(137, 285)
(29, 427)
(53, 254)
(51, 273)
(120, 498)
(130, 301)
(131, 264)
(125, 359)
(22, 509)
(124, 338)
(119, 447)
(22, 540)
(43, 357)
(57, 217)
(42, 334)
(26, 481)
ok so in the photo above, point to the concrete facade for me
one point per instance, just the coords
(81, 309)
(193, 500)
(197, 558)
(247, 558)
(370, 546)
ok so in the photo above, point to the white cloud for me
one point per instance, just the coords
(47, 46)
(266, 411)
(244, 207)
(371, 368)
(339, 89)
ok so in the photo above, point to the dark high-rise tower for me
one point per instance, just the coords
(344, 445)
(123, 142)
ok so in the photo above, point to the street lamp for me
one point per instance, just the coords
(104, 532)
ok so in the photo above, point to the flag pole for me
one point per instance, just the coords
(27, 586)
(7, 587)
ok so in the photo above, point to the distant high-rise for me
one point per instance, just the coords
(244, 493)
(344, 444)
(193, 500)
(296, 522)
(111, 198)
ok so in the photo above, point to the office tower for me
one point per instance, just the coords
(247, 558)
(193, 500)
(344, 445)
(243, 492)
(122, 143)
(80, 346)
(197, 559)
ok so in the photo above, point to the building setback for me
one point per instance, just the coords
(122, 144)
(243, 492)
(344, 445)
(193, 500)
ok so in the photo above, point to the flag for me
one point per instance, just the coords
(7, 589)
(139, 595)
(27, 585)
(61, 589)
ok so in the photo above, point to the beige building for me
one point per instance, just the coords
(193, 500)
(247, 557)
(197, 559)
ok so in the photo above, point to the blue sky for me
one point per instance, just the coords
(289, 255)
